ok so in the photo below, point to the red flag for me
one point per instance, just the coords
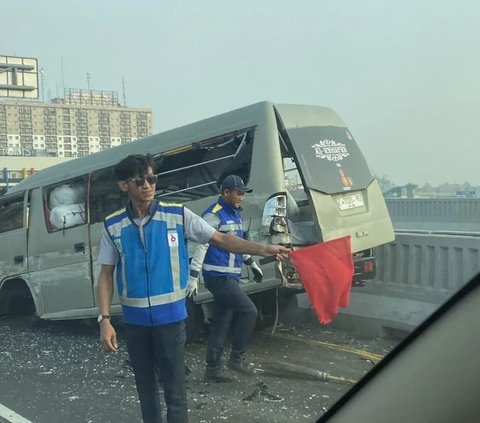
(326, 271)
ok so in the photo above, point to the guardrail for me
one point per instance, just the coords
(416, 273)
(435, 213)
(439, 260)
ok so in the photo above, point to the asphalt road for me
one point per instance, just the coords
(58, 373)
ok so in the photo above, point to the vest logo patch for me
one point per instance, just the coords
(172, 238)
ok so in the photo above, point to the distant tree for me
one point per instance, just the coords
(467, 187)
(426, 189)
(385, 183)
(448, 188)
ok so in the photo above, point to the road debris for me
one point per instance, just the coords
(261, 392)
(290, 371)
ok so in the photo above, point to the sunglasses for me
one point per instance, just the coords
(140, 182)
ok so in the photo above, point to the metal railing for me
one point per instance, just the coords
(442, 261)
(456, 214)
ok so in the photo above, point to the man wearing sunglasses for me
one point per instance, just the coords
(147, 244)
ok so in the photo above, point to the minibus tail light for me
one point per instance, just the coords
(368, 267)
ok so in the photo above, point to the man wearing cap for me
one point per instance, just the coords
(233, 311)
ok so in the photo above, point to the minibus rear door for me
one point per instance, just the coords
(344, 194)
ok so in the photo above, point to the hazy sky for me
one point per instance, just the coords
(403, 74)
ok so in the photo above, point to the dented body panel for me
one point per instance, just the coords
(310, 183)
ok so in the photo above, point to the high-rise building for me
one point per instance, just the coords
(81, 123)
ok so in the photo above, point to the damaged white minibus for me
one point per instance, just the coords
(310, 183)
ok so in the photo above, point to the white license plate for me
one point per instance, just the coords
(350, 201)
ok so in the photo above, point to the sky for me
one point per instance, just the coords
(402, 74)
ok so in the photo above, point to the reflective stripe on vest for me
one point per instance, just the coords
(222, 269)
(154, 300)
(173, 220)
(231, 227)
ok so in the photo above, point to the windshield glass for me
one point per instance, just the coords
(330, 159)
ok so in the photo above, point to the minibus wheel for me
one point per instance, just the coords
(16, 299)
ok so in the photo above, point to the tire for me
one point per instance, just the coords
(16, 300)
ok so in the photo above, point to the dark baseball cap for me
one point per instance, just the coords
(234, 182)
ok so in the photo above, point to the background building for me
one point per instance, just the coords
(35, 135)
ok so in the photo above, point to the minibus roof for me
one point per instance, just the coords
(237, 119)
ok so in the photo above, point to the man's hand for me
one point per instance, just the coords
(257, 272)
(277, 250)
(108, 336)
(192, 286)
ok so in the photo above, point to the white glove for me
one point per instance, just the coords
(192, 286)
(257, 272)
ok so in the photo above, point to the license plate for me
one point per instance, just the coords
(350, 201)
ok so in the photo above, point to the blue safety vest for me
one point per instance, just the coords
(218, 262)
(151, 275)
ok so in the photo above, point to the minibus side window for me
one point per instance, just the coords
(291, 174)
(11, 214)
(105, 197)
(64, 204)
(293, 180)
(191, 172)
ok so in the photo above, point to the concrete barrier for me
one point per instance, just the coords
(455, 214)
(416, 273)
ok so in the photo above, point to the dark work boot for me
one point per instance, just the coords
(216, 375)
(239, 365)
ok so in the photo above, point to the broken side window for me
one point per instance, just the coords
(11, 213)
(64, 204)
(192, 171)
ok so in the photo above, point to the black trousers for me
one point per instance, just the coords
(159, 352)
(234, 313)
